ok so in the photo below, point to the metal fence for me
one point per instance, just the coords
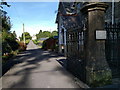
(113, 47)
(75, 52)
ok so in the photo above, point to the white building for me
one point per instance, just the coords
(34, 37)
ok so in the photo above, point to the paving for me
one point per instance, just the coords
(38, 69)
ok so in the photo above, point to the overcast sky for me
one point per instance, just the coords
(35, 15)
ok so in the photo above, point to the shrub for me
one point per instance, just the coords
(9, 42)
(7, 56)
(50, 43)
(22, 46)
(36, 42)
(100, 78)
(13, 44)
(6, 48)
(27, 41)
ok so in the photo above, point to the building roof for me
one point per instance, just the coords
(43, 39)
(69, 15)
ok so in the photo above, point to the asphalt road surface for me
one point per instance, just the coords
(38, 69)
(31, 45)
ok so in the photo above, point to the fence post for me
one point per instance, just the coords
(97, 69)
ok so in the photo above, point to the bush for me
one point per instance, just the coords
(9, 42)
(9, 45)
(6, 48)
(7, 56)
(36, 42)
(101, 78)
(13, 44)
(50, 43)
(7, 53)
(44, 45)
(27, 41)
(22, 46)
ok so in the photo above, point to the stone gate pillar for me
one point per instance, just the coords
(97, 69)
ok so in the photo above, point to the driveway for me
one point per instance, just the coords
(38, 69)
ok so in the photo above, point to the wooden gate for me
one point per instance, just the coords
(113, 48)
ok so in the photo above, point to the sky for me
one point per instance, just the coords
(36, 16)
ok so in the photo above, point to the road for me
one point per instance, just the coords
(38, 69)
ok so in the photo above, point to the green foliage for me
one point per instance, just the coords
(8, 42)
(6, 47)
(22, 46)
(6, 57)
(10, 46)
(44, 34)
(6, 24)
(4, 3)
(36, 42)
(54, 33)
(27, 36)
(50, 43)
(14, 33)
(27, 41)
(100, 78)
(44, 44)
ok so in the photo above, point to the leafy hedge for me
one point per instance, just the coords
(50, 43)
(22, 46)
(27, 41)
(10, 45)
(36, 42)
(8, 52)
(9, 42)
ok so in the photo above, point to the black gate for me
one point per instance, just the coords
(75, 52)
(113, 48)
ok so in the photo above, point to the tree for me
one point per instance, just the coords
(40, 31)
(47, 34)
(4, 3)
(14, 34)
(43, 34)
(27, 36)
(40, 34)
(8, 41)
(6, 24)
(54, 33)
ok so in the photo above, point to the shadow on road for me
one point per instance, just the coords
(63, 62)
(29, 61)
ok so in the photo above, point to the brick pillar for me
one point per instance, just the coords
(97, 69)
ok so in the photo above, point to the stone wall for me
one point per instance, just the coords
(88, 61)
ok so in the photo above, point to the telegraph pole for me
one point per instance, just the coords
(23, 33)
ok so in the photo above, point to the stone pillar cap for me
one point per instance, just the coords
(94, 6)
